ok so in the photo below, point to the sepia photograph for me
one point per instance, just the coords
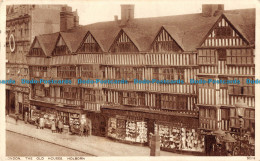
(129, 78)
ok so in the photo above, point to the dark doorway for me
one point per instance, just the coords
(10, 102)
(102, 126)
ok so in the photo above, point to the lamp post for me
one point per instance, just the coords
(240, 109)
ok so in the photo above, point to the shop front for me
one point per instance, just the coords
(72, 117)
(178, 131)
(180, 137)
(125, 128)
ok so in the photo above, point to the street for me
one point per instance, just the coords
(92, 145)
(20, 145)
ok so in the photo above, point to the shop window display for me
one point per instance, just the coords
(74, 123)
(65, 117)
(136, 131)
(121, 129)
(177, 138)
(131, 130)
(112, 127)
(34, 115)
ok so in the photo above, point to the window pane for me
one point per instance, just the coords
(213, 60)
(249, 60)
(252, 114)
(204, 60)
(228, 60)
(234, 60)
(228, 52)
(230, 89)
(239, 60)
(244, 60)
(208, 60)
(202, 112)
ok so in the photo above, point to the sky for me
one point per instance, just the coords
(98, 11)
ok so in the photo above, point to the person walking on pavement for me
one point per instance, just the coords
(26, 118)
(56, 124)
(53, 126)
(60, 126)
(87, 130)
(81, 129)
(37, 122)
(41, 122)
(16, 118)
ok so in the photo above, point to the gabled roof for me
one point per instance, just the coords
(103, 32)
(48, 42)
(33, 45)
(73, 39)
(97, 41)
(101, 36)
(187, 30)
(132, 38)
(175, 34)
(244, 22)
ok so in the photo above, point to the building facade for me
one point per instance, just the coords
(128, 52)
(23, 23)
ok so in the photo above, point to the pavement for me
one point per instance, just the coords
(93, 145)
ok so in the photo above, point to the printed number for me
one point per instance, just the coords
(250, 158)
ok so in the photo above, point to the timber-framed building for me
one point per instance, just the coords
(215, 44)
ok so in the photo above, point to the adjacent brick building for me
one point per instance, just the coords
(23, 23)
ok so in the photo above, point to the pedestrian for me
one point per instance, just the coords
(81, 129)
(37, 122)
(41, 122)
(87, 130)
(60, 126)
(53, 126)
(56, 124)
(26, 118)
(16, 118)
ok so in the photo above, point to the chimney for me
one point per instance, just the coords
(68, 19)
(127, 13)
(209, 10)
(76, 18)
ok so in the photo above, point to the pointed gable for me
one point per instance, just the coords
(89, 44)
(61, 47)
(123, 43)
(225, 34)
(36, 44)
(36, 49)
(60, 42)
(164, 42)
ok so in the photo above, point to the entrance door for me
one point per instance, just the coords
(11, 100)
(102, 126)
